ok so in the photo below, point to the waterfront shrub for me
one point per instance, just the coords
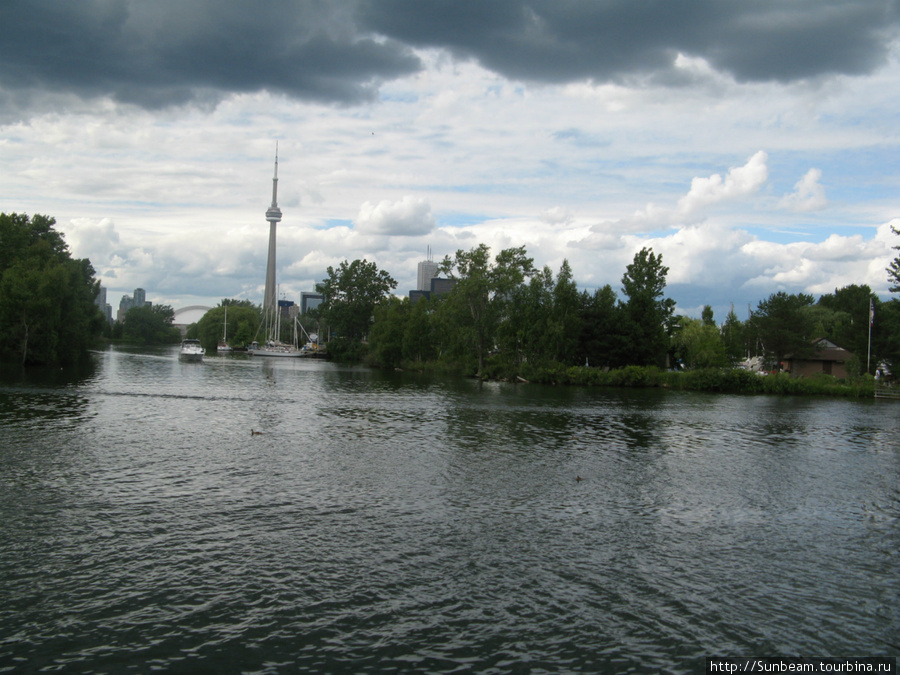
(636, 376)
(347, 350)
(722, 380)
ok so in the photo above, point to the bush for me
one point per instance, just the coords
(346, 350)
(636, 376)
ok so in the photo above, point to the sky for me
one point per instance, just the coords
(753, 145)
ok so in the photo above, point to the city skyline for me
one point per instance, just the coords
(755, 150)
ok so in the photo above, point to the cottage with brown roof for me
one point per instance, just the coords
(828, 358)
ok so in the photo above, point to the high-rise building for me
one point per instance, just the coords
(126, 303)
(441, 286)
(103, 305)
(309, 300)
(137, 299)
(428, 270)
(273, 215)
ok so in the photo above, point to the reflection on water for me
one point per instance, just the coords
(389, 522)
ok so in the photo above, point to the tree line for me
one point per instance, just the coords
(503, 317)
(506, 318)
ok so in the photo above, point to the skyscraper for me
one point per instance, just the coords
(428, 269)
(273, 215)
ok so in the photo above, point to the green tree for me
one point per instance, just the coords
(47, 310)
(524, 333)
(783, 327)
(243, 321)
(388, 329)
(351, 293)
(543, 319)
(893, 269)
(699, 344)
(421, 338)
(233, 302)
(565, 321)
(601, 342)
(734, 338)
(646, 312)
(886, 336)
(848, 324)
(150, 325)
(482, 292)
(19, 233)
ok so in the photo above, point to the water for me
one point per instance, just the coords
(386, 522)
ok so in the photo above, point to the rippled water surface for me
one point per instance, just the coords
(393, 523)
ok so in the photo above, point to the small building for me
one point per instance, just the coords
(827, 358)
(439, 287)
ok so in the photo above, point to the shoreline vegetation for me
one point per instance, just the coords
(713, 380)
(497, 318)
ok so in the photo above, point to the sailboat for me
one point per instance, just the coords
(273, 345)
(223, 345)
(271, 311)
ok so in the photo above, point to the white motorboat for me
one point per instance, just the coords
(191, 350)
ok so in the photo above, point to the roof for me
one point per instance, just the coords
(826, 351)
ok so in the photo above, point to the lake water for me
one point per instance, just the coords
(388, 522)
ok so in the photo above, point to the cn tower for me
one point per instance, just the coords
(273, 215)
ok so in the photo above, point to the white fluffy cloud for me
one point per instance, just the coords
(410, 216)
(808, 194)
(739, 183)
(705, 191)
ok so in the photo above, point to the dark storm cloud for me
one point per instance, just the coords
(608, 40)
(160, 52)
(168, 51)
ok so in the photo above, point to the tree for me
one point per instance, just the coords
(482, 291)
(524, 334)
(243, 321)
(848, 324)
(150, 325)
(565, 324)
(886, 335)
(646, 312)
(351, 293)
(20, 233)
(543, 318)
(783, 327)
(601, 342)
(893, 269)
(47, 310)
(421, 338)
(734, 338)
(386, 336)
(699, 344)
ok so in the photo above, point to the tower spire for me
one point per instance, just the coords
(275, 180)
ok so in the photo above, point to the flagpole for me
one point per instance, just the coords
(871, 321)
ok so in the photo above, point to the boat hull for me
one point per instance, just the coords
(277, 353)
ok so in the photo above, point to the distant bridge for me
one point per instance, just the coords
(185, 316)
